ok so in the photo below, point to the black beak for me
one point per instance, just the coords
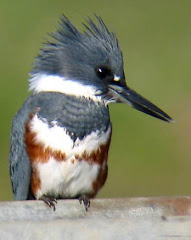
(124, 94)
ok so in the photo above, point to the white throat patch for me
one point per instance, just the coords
(51, 83)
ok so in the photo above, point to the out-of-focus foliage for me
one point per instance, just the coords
(147, 156)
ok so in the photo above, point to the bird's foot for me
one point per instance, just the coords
(86, 201)
(50, 201)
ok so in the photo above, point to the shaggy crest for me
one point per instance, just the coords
(68, 33)
(69, 45)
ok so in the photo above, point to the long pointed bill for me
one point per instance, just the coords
(127, 95)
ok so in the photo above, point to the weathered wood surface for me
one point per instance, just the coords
(158, 218)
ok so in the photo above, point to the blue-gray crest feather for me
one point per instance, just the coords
(74, 54)
(67, 33)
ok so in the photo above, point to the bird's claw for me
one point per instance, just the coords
(50, 201)
(86, 201)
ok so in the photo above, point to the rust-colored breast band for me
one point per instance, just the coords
(38, 154)
(36, 151)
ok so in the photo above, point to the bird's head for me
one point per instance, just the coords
(88, 64)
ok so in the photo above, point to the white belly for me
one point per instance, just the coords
(66, 179)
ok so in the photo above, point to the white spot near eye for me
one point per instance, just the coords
(116, 78)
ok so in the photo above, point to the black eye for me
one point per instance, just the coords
(103, 72)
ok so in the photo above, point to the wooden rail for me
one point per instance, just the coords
(156, 218)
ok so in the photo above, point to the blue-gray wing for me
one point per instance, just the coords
(19, 164)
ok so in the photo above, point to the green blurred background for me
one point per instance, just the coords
(147, 157)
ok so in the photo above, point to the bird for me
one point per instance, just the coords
(61, 135)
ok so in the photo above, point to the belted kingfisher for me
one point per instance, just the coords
(61, 135)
